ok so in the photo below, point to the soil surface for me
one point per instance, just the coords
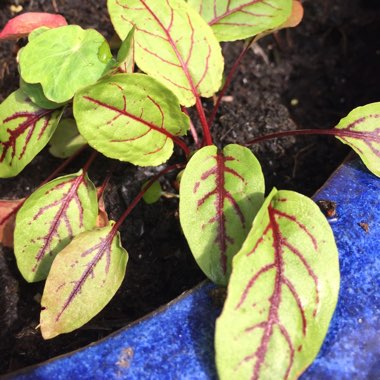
(308, 77)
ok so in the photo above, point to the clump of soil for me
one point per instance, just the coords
(308, 77)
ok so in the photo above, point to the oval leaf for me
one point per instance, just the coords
(282, 292)
(220, 193)
(173, 44)
(64, 60)
(66, 140)
(361, 131)
(126, 54)
(25, 129)
(22, 25)
(240, 19)
(83, 279)
(8, 210)
(49, 219)
(130, 117)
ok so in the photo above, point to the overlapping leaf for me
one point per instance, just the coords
(240, 19)
(83, 279)
(49, 219)
(361, 131)
(282, 292)
(64, 60)
(8, 209)
(173, 44)
(126, 54)
(24, 130)
(220, 193)
(130, 117)
(66, 140)
(25, 23)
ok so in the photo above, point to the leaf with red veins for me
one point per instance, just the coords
(25, 129)
(173, 44)
(282, 292)
(49, 219)
(360, 129)
(83, 278)
(131, 117)
(220, 194)
(239, 19)
(22, 25)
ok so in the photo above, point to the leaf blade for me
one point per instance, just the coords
(83, 279)
(242, 19)
(220, 193)
(360, 129)
(185, 55)
(49, 219)
(25, 130)
(282, 294)
(130, 117)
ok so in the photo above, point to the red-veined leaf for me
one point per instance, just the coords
(7, 220)
(22, 25)
(282, 292)
(49, 219)
(130, 117)
(83, 278)
(361, 131)
(220, 193)
(173, 44)
(24, 130)
(240, 19)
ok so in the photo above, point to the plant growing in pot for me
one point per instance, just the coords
(135, 118)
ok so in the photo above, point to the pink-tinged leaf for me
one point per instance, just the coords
(8, 210)
(361, 131)
(220, 193)
(296, 16)
(25, 129)
(173, 44)
(240, 19)
(49, 219)
(102, 219)
(282, 292)
(22, 25)
(83, 279)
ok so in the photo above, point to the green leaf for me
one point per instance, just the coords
(83, 279)
(64, 60)
(173, 44)
(66, 140)
(25, 129)
(37, 96)
(361, 131)
(282, 292)
(126, 54)
(240, 19)
(220, 193)
(36, 32)
(49, 219)
(130, 117)
(153, 194)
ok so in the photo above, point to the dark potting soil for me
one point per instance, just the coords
(308, 77)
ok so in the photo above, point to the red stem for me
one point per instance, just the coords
(204, 122)
(182, 145)
(89, 162)
(229, 80)
(141, 194)
(193, 131)
(330, 132)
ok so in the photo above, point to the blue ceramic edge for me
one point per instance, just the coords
(176, 342)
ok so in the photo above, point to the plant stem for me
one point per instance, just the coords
(89, 162)
(330, 132)
(182, 145)
(193, 131)
(204, 122)
(141, 194)
(229, 80)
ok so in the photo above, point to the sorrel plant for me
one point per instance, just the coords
(276, 254)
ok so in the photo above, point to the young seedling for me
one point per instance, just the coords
(276, 254)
